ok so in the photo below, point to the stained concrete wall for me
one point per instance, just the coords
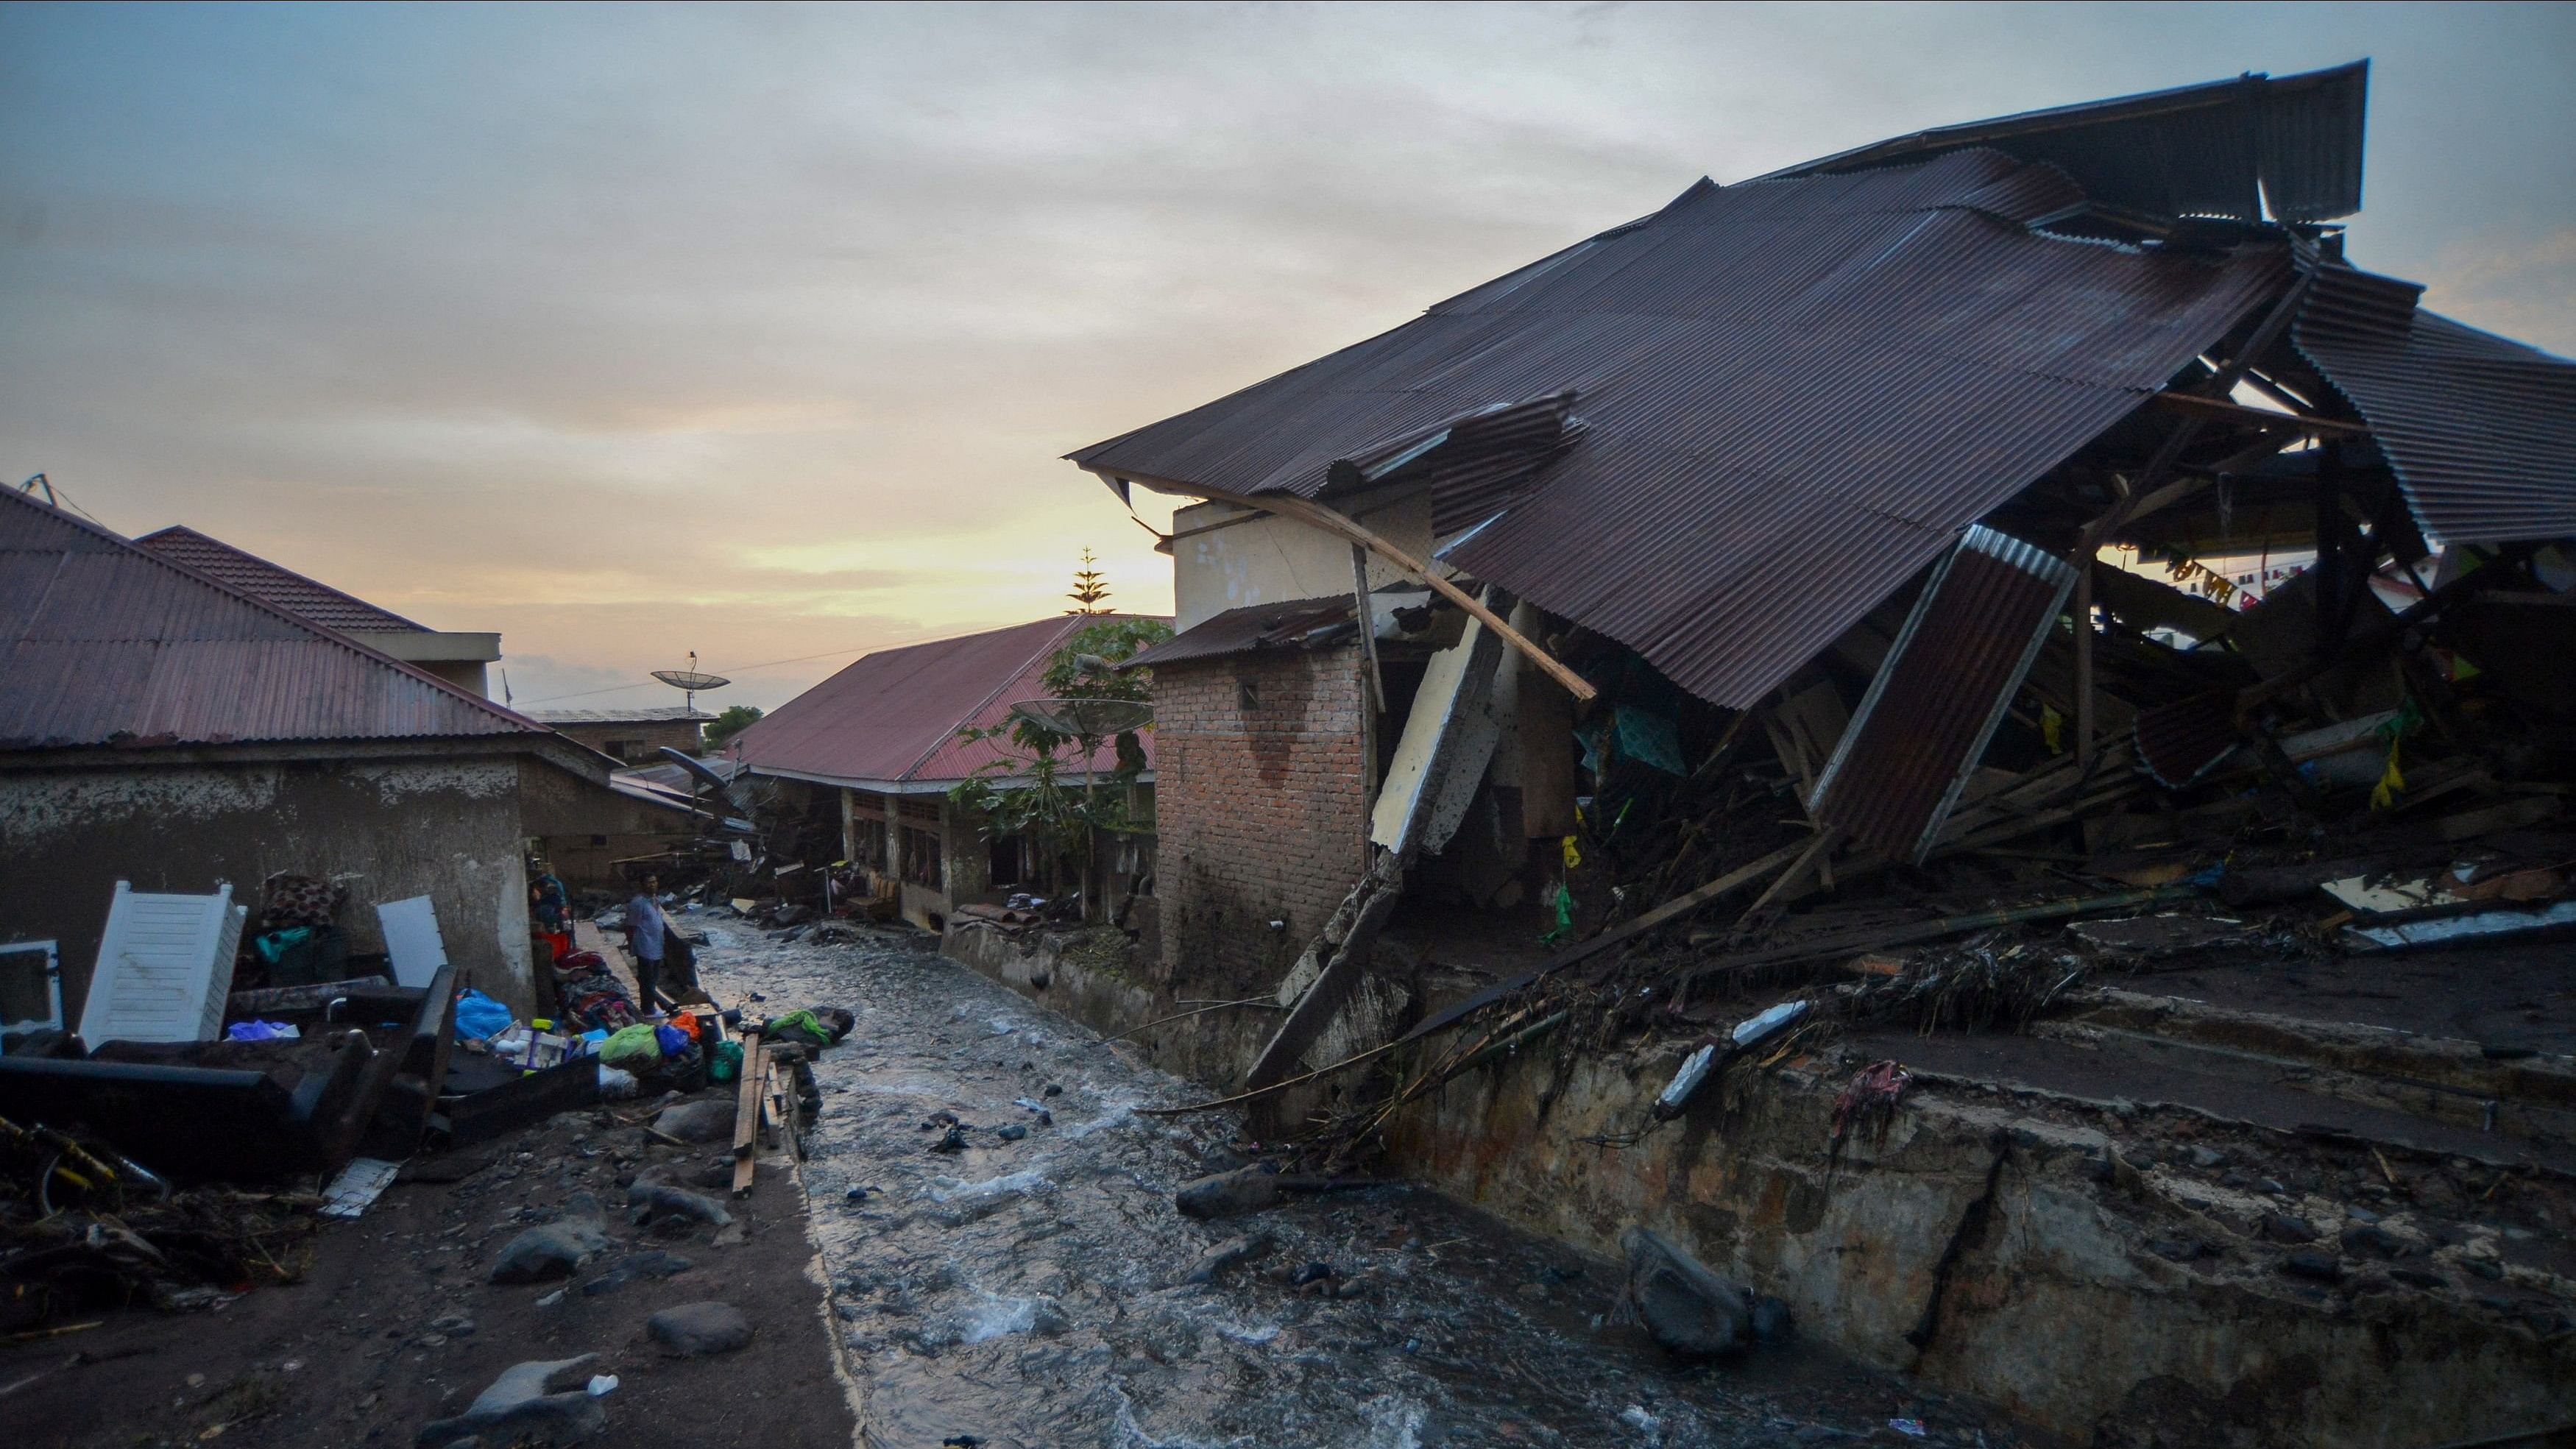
(1224, 557)
(450, 829)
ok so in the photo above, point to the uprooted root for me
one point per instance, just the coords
(1999, 979)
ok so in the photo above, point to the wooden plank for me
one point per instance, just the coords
(1305, 510)
(746, 1110)
(1341, 953)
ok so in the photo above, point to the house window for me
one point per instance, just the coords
(922, 862)
(1247, 695)
(624, 749)
(1007, 863)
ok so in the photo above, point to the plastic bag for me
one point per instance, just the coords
(262, 1031)
(725, 1064)
(672, 1040)
(633, 1049)
(616, 1085)
(479, 1017)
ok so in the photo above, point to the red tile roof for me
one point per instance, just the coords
(248, 573)
(106, 643)
(892, 717)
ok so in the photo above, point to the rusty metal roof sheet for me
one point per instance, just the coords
(1935, 703)
(248, 573)
(2480, 431)
(1792, 395)
(1252, 629)
(892, 717)
(106, 643)
(2222, 148)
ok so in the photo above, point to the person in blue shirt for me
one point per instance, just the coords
(646, 930)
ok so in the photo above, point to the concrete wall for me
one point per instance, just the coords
(638, 739)
(1261, 807)
(450, 829)
(1224, 557)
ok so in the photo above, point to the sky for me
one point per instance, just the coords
(761, 332)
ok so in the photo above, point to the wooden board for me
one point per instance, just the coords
(746, 1110)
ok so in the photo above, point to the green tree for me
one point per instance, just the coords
(735, 719)
(1088, 591)
(1029, 790)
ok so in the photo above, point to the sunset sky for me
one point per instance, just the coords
(760, 332)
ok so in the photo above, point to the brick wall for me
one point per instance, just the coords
(1261, 806)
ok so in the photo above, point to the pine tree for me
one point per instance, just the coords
(1088, 590)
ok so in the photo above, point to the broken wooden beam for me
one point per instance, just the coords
(746, 1109)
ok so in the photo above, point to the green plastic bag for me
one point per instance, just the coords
(801, 1025)
(726, 1064)
(632, 1049)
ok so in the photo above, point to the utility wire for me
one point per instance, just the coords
(712, 669)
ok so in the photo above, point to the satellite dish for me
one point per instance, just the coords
(691, 679)
(1086, 719)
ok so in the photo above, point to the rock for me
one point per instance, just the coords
(528, 1402)
(706, 1121)
(1689, 1310)
(2487, 1268)
(555, 1249)
(1223, 1256)
(1053, 1090)
(1309, 1273)
(648, 1200)
(454, 1325)
(634, 1267)
(732, 1235)
(1011, 1133)
(953, 1140)
(2205, 1158)
(698, 1330)
(2371, 1240)
(447, 1167)
(2323, 1267)
(2282, 1228)
(1223, 1194)
(2418, 1278)
(857, 1194)
(1771, 1321)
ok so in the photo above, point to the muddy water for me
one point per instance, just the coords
(1025, 1294)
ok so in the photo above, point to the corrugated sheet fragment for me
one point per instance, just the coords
(2182, 741)
(2480, 430)
(1936, 701)
(1252, 629)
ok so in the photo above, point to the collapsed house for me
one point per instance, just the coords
(1833, 577)
(167, 727)
(861, 767)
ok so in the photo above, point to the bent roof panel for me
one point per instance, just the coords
(106, 643)
(893, 716)
(1793, 395)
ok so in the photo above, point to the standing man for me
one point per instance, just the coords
(646, 929)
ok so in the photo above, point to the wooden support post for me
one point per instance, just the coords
(1368, 628)
(746, 1109)
(2084, 665)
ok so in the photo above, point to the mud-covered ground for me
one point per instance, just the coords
(1027, 1294)
(394, 1322)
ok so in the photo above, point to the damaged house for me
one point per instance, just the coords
(867, 758)
(176, 727)
(1835, 563)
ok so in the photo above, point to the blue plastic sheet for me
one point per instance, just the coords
(479, 1016)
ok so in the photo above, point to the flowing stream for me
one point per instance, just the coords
(1026, 1294)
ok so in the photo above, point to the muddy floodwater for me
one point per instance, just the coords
(1026, 1294)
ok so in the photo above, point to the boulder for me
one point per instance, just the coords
(527, 1404)
(556, 1249)
(697, 1330)
(1223, 1194)
(1689, 1310)
(710, 1120)
(648, 1200)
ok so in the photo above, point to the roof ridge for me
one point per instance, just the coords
(142, 541)
(327, 634)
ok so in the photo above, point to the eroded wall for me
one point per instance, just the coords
(447, 829)
(1262, 808)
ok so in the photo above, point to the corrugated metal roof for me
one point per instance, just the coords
(110, 643)
(1252, 629)
(2480, 430)
(655, 714)
(250, 574)
(2221, 148)
(1936, 701)
(893, 716)
(1793, 394)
